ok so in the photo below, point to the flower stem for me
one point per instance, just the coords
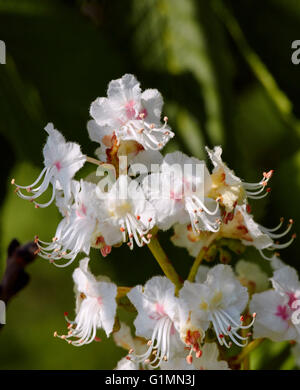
(122, 291)
(94, 161)
(247, 350)
(200, 256)
(164, 262)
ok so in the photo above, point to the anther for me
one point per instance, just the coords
(189, 359)
(131, 351)
(138, 217)
(13, 181)
(122, 229)
(97, 339)
(55, 334)
(166, 119)
(149, 343)
(199, 353)
(149, 235)
(242, 318)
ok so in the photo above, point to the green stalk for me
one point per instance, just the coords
(164, 262)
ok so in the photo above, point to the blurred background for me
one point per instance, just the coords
(225, 71)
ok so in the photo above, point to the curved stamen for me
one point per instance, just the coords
(200, 204)
(282, 246)
(266, 257)
(249, 195)
(276, 227)
(34, 183)
(279, 235)
(159, 345)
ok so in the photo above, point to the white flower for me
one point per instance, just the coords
(127, 364)
(230, 188)
(242, 226)
(250, 275)
(176, 363)
(124, 339)
(184, 237)
(209, 359)
(126, 214)
(179, 194)
(62, 160)
(156, 321)
(220, 300)
(74, 233)
(129, 114)
(276, 309)
(95, 306)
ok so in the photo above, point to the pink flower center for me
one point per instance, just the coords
(282, 312)
(99, 300)
(159, 312)
(58, 165)
(129, 108)
(181, 192)
(292, 299)
(143, 114)
(81, 212)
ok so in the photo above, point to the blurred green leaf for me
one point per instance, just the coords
(169, 37)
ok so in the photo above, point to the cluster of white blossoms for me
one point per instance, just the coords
(178, 325)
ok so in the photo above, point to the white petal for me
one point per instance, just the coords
(124, 89)
(152, 101)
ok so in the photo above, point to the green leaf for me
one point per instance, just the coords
(169, 37)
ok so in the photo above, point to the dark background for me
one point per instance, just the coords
(225, 71)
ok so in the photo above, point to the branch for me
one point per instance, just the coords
(15, 278)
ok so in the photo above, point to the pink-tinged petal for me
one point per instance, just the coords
(152, 102)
